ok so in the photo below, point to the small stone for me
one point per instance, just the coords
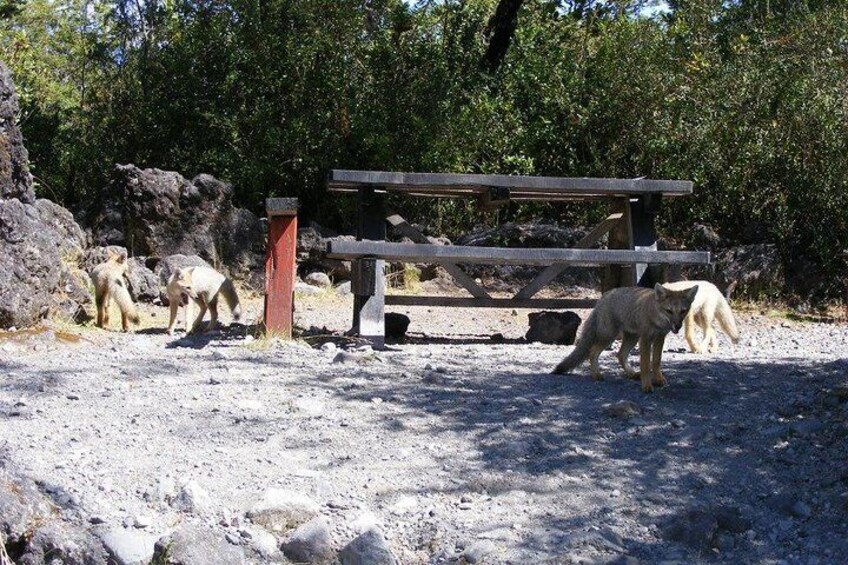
(396, 325)
(368, 548)
(329, 347)
(127, 546)
(321, 280)
(479, 551)
(73, 397)
(232, 538)
(310, 543)
(283, 509)
(141, 521)
(801, 510)
(622, 409)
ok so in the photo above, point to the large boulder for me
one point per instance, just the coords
(159, 213)
(754, 271)
(15, 178)
(41, 245)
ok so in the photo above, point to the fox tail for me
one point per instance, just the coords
(229, 292)
(725, 319)
(119, 291)
(581, 348)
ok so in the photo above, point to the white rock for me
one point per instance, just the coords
(127, 547)
(283, 509)
(193, 499)
(318, 279)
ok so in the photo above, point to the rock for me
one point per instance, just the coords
(142, 521)
(343, 289)
(127, 547)
(369, 548)
(15, 178)
(478, 551)
(319, 279)
(143, 283)
(312, 248)
(553, 327)
(265, 544)
(310, 542)
(56, 542)
(308, 289)
(694, 528)
(396, 325)
(754, 271)
(193, 499)
(523, 235)
(730, 518)
(622, 409)
(185, 217)
(281, 509)
(705, 237)
(194, 545)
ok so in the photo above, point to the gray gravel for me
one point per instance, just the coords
(451, 448)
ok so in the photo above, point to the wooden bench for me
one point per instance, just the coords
(631, 257)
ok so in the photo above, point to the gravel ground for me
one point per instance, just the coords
(458, 448)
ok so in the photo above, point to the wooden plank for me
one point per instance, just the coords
(404, 228)
(544, 278)
(433, 182)
(546, 303)
(280, 272)
(410, 253)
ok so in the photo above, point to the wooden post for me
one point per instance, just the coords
(369, 281)
(620, 237)
(280, 266)
(643, 212)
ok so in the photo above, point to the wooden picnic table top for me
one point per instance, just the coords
(519, 187)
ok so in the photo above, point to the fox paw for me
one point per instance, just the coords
(647, 388)
(659, 380)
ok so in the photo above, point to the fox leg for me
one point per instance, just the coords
(645, 347)
(125, 322)
(107, 305)
(98, 300)
(627, 344)
(691, 339)
(174, 306)
(709, 334)
(199, 319)
(213, 314)
(594, 352)
(656, 359)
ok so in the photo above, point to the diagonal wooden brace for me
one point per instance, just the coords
(544, 278)
(405, 229)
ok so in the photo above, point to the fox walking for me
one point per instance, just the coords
(109, 283)
(203, 286)
(709, 305)
(641, 315)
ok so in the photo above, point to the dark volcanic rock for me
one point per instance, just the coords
(523, 235)
(396, 325)
(159, 213)
(15, 178)
(553, 327)
(40, 243)
(750, 270)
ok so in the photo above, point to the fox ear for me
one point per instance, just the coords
(661, 291)
(691, 293)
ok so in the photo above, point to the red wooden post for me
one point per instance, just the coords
(280, 266)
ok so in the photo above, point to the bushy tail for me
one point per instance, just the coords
(122, 296)
(581, 348)
(229, 292)
(725, 319)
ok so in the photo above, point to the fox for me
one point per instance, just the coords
(709, 305)
(203, 286)
(108, 281)
(638, 314)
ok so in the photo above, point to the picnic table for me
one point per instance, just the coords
(631, 256)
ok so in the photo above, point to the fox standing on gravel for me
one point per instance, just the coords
(709, 305)
(108, 281)
(203, 286)
(640, 315)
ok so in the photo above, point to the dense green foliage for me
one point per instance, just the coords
(747, 98)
